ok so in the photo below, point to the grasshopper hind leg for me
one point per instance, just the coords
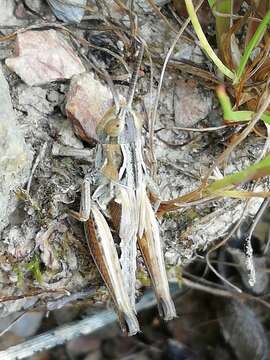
(166, 308)
(151, 249)
(157, 272)
(129, 325)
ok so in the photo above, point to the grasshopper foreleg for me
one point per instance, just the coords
(85, 205)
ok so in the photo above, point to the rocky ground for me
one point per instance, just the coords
(53, 91)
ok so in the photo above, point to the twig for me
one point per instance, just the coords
(13, 322)
(149, 114)
(257, 218)
(33, 294)
(37, 161)
(134, 78)
(63, 301)
(63, 150)
(163, 17)
(223, 293)
(109, 80)
(180, 22)
(214, 128)
(202, 280)
(68, 332)
(268, 242)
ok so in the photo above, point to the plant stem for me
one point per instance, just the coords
(204, 43)
(235, 116)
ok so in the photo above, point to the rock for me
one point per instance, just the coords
(43, 57)
(116, 11)
(95, 355)
(87, 101)
(145, 7)
(83, 345)
(242, 330)
(36, 5)
(53, 96)
(19, 240)
(20, 11)
(175, 350)
(116, 348)
(34, 103)
(222, 353)
(159, 38)
(15, 157)
(7, 13)
(10, 306)
(66, 134)
(204, 230)
(189, 105)
(27, 325)
(68, 10)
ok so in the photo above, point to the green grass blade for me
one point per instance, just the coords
(204, 43)
(259, 169)
(211, 3)
(251, 45)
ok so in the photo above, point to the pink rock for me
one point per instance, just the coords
(20, 11)
(87, 101)
(44, 56)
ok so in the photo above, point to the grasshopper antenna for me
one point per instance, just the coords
(134, 77)
(109, 81)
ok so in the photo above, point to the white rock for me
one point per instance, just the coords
(66, 134)
(7, 17)
(15, 157)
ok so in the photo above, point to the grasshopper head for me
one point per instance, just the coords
(121, 128)
(111, 125)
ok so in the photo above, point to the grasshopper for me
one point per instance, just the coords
(117, 192)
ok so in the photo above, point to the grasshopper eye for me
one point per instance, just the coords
(114, 127)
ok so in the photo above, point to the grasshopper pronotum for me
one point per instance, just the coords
(119, 194)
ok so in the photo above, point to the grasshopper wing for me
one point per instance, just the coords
(104, 253)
